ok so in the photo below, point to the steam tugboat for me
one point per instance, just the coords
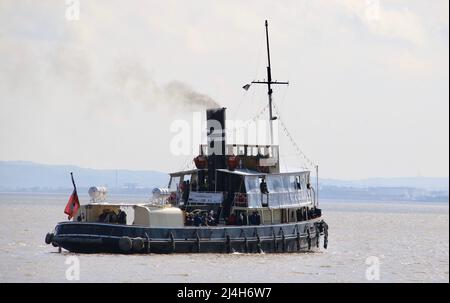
(235, 200)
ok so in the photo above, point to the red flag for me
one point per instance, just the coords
(74, 203)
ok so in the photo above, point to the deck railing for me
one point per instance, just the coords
(246, 150)
(274, 200)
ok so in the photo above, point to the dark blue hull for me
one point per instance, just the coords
(113, 238)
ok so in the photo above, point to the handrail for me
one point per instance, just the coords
(300, 197)
(268, 150)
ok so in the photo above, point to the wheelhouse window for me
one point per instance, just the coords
(174, 183)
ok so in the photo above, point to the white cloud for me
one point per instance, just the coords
(398, 23)
(72, 90)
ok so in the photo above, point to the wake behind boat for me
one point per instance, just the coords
(235, 200)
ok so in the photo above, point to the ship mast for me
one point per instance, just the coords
(269, 83)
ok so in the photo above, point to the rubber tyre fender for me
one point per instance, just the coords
(125, 244)
(49, 238)
(138, 244)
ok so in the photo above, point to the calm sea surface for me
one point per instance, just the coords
(410, 240)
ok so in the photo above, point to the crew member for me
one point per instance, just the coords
(122, 217)
(263, 186)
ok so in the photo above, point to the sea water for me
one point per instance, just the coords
(368, 242)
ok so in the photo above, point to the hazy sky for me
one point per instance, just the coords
(368, 93)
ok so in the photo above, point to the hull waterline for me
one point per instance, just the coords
(82, 237)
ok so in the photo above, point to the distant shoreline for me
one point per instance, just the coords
(148, 196)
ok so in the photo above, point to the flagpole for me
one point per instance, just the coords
(73, 181)
(74, 203)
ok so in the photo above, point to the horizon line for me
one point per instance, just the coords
(158, 171)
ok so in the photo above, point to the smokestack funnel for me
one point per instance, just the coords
(216, 135)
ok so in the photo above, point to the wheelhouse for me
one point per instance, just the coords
(242, 193)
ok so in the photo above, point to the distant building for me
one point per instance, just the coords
(131, 185)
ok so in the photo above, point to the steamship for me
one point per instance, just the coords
(235, 200)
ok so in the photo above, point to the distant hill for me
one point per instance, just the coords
(16, 175)
(387, 189)
(427, 183)
(383, 194)
(33, 177)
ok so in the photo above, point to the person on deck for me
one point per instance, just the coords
(107, 216)
(189, 219)
(194, 185)
(197, 220)
(103, 215)
(204, 220)
(122, 217)
(297, 183)
(185, 194)
(263, 187)
(310, 188)
(111, 217)
(255, 218)
(299, 215)
(244, 218)
(210, 219)
(231, 220)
